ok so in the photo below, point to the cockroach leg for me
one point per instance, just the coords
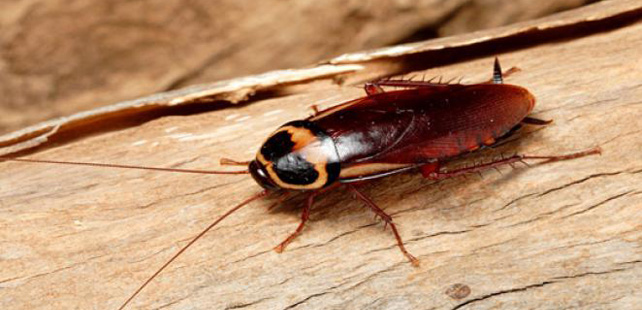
(511, 71)
(535, 121)
(315, 108)
(439, 175)
(387, 219)
(305, 215)
(372, 88)
(525, 163)
(232, 162)
(430, 168)
(548, 159)
(376, 86)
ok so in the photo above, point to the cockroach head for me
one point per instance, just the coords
(297, 156)
(260, 175)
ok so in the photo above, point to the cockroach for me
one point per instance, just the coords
(417, 127)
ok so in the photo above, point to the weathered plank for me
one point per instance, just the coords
(58, 58)
(566, 234)
(345, 69)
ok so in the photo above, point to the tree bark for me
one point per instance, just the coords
(558, 235)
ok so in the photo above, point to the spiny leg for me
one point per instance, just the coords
(593, 151)
(432, 172)
(387, 219)
(376, 87)
(305, 215)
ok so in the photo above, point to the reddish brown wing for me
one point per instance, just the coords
(392, 130)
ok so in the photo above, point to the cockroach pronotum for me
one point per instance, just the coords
(417, 127)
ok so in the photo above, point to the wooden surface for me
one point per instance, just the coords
(347, 69)
(60, 57)
(562, 235)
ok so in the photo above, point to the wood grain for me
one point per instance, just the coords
(58, 58)
(352, 69)
(561, 235)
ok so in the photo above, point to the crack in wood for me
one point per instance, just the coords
(598, 204)
(247, 304)
(536, 285)
(580, 181)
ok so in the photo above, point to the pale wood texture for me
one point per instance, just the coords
(562, 235)
(351, 68)
(60, 57)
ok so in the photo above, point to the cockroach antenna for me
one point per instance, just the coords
(75, 163)
(224, 161)
(185, 247)
(327, 150)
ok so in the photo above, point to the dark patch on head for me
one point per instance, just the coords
(294, 169)
(260, 176)
(333, 169)
(277, 146)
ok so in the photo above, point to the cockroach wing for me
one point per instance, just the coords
(393, 130)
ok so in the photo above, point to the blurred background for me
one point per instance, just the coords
(58, 57)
